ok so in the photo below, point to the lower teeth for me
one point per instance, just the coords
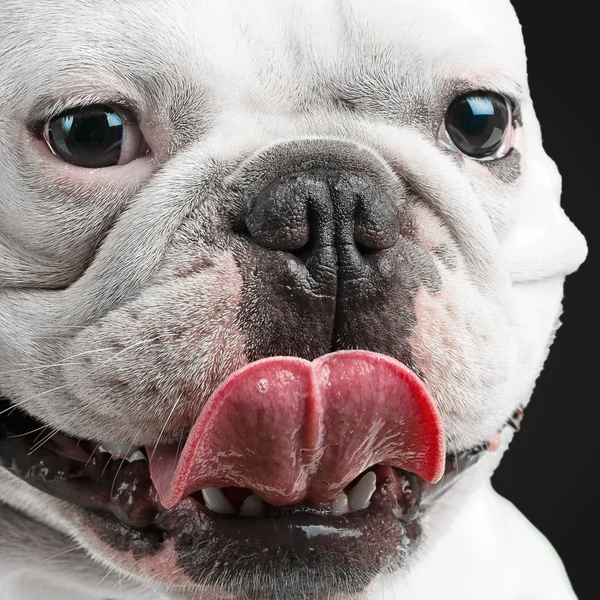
(216, 501)
(122, 451)
(358, 498)
(340, 505)
(252, 507)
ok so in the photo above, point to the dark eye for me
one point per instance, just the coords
(94, 136)
(479, 124)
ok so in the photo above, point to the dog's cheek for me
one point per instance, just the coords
(499, 187)
(462, 344)
(464, 348)
(160, 354)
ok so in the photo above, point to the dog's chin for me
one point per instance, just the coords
(251, 552)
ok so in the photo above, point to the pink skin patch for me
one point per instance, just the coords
(495, 442)
(153, 566)
(291, 430)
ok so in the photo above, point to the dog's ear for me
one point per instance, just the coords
(544, 243)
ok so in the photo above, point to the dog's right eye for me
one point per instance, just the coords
(94, 137)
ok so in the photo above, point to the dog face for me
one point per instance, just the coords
(302, 200)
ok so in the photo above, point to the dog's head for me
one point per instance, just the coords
(287, 261)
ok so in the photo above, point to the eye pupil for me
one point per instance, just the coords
(477, 123)
(473, 119)
(87, 137)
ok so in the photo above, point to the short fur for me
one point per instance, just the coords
(124, 297)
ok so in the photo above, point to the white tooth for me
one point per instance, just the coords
(117, 450)
(252, 507)
(215, 500)
(340, 505)
(137, 455)
(359, 496)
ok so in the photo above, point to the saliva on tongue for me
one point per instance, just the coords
(296, 431)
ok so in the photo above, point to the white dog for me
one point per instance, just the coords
(276, 280)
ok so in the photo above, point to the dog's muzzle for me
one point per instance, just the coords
(326, 247)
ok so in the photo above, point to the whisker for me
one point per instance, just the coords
(37, 446)
(61, 326)
(87, 462)
(175, 404)
(18, 435)
(108, 573)
(37, 437)
(49, 558)
(112, 487)
(60, 387)
(106, 467)
(64, 362)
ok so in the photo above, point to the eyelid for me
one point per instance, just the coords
(497, 83)
(47, 110)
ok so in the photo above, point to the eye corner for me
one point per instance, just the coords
(517, 113)
(36, 129)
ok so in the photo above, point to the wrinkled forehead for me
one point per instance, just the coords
(285, 43)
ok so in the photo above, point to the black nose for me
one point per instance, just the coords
(325, 216)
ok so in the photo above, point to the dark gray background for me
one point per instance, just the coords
(549, 472)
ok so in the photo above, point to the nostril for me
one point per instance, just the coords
(313, 223)
(366, 250)
(376, 224)
(240, 228)
(279, 218)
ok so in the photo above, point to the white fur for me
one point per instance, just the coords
(250, 75)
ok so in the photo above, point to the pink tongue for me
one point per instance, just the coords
(292, 430)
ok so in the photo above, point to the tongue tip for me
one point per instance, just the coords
(432, 466)
(436, 473)
(163, 462)
(438, 460)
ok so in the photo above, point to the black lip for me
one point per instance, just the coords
(325, 554)
(123, 509)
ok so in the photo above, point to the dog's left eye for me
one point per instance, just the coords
(479, 125)
(94, 137)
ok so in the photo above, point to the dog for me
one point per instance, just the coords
(277, 278)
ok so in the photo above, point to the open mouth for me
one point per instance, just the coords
(356, 517)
